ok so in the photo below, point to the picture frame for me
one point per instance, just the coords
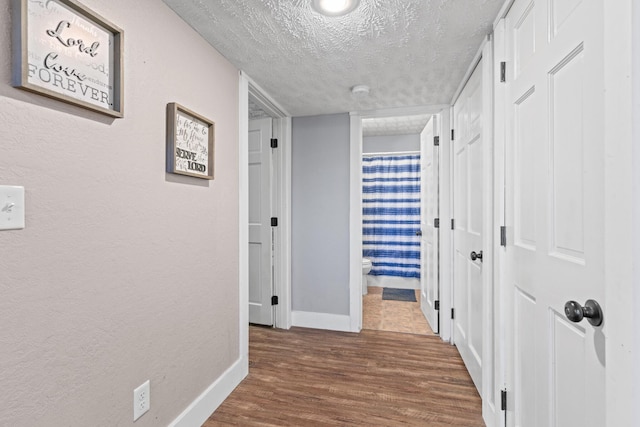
(65, 51)
(190, 143)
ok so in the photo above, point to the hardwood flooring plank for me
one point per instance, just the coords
(307, 377)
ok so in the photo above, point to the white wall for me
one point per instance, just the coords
(320, 214)
(394, 143)
(635, 141)
(123, 273)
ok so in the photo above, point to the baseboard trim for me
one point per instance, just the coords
(393, 282)
(205, 404)
(331, 322)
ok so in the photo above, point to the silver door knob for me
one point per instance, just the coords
(591, 310)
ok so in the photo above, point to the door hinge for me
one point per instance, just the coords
(503, 72)
(274, 142)
(274, 300)
(503, 400)
(436, 223)
(453, 313)
(453, 135)
(503, 235)
(436, 141)
(436, 305)
(453, 224)
(274, 221)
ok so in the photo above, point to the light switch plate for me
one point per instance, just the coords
(11, 207)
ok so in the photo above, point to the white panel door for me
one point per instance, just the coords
(260, 232)
(554, 210)
(468, 223)
(429, 244)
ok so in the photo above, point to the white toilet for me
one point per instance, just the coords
(366, 268)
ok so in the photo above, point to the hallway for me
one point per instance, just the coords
(308, 377)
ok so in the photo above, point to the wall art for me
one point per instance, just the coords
(65, 51)
(190, 142)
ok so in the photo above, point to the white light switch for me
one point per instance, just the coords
(11, 207)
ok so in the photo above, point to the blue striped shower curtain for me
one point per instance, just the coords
(391, 214)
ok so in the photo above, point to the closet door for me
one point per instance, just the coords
(260, 231)
(555, 152)
(468, 226)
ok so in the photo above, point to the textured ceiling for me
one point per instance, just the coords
(387, 126)
(410, 52)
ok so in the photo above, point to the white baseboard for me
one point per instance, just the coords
(200, 409)
(393, 282)
(331, 322)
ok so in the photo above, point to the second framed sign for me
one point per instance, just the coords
(190, 142)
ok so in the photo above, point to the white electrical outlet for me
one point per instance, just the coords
(141, 400)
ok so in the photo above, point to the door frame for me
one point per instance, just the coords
(281, 204)
(355, 202)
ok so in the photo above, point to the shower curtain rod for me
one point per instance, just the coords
(391, 153)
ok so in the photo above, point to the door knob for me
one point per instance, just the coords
(474, 256)
(419, 233)
(591, 310)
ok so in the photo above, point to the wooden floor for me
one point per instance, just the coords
(395, 316)
(307, 377)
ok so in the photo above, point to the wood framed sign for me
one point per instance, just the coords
(65, 51)
(190, 142)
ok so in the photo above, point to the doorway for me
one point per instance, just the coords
(272, 300)
(391, 212)
(358, 121)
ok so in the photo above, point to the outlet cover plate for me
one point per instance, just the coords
(11, 207)
(141, 400)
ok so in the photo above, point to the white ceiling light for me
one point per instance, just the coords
(334, 7)
(360, 91)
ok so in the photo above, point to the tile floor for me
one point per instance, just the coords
(395, 316)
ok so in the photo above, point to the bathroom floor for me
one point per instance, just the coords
(395, 316)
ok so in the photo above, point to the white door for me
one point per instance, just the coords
(555, 216)
(429, 266)
(468, 147)
(260, 231)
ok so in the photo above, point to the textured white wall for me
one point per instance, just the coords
(123, 273)
(390, 144)
(320, 214)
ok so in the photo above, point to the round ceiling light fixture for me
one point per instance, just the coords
(334, 7)
(360, 91)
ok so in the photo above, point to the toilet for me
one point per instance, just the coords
(366, 268)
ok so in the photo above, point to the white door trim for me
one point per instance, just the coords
(243, 219)
(281, 204)
(621, 208)
(490, 410)
(355, 223)
(634, 396)
(446, 234)
(501, 300)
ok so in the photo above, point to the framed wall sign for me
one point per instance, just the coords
(190, 142)
(65, 51)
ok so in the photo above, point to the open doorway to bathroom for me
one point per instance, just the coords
(392, 248)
